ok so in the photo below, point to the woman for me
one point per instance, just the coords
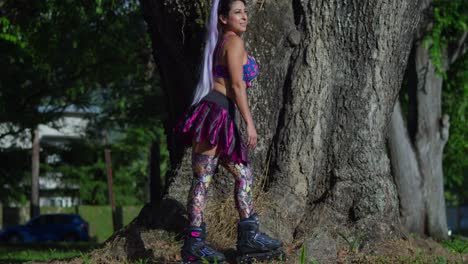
(209, 126)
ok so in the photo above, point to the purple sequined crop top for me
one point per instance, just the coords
(250, 69)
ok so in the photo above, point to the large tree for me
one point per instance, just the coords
(330, 73)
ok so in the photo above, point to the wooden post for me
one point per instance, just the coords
(34, 209)
(110, 183)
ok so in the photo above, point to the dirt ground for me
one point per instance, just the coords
(165, 249)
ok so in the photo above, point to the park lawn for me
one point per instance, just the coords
(19, 256)
(43, 251)
(457, 245)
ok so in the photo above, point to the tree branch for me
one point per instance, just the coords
(460, 48)
(11, 132)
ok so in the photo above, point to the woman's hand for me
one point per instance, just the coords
(251, 136)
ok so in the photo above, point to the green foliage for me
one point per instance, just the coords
(454, 103)
(457, 245)
(131, 154)
(303, 257)
(82, 164)
(58, 53)
(85, 258)
(11, 33)
(460, 249)
(450, 21)
(353, 243)
(440, 260)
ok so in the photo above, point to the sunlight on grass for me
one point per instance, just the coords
(457, 245)
(37, 255)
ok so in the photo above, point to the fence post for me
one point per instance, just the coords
(110, 182)
(34, 207)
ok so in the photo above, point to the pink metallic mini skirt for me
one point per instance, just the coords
(212, 119)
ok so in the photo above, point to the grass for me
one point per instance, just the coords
(43, 251)
(24, 255)
(458, 246)
(352, 243)
(18, 255)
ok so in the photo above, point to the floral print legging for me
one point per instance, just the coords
(204, 167)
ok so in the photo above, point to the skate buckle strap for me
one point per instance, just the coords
(195, 234)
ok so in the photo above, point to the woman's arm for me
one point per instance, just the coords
(235, 54)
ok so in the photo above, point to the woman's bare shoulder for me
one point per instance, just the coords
(234, 43)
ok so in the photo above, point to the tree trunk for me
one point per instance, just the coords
(35, 209)
(430, 139)
(155, 187)
(407, 175)
(330, 73)
(419, 170)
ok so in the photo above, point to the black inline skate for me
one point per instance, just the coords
(254, 245)
(195, 250)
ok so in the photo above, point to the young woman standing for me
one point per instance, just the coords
(210, 128)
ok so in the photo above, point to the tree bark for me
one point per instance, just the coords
(417, 154)
(330, 73)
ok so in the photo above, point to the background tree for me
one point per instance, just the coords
(417, 147)
(454, 101)
(13, 189)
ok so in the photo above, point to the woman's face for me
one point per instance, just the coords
(236, 20)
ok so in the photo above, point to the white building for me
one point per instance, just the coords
(71, 126)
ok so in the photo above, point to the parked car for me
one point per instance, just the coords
(48, 227)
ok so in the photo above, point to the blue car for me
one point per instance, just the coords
(48, 227)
